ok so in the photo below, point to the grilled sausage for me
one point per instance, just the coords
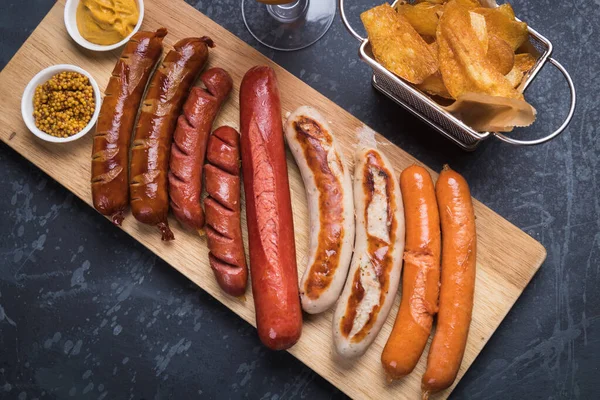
(151, 146)
(376, 265)
(110, 151)
(330, 204)
(223, 211)
(421, 276)
(272, 249)
(189, 146)
(459, 251)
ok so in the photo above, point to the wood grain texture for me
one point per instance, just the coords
(507, 257)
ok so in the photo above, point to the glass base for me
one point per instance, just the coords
(291, 26)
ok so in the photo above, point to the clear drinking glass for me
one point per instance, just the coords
(288, 25)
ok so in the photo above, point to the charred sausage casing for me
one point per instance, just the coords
(189, 146)
(271, 245)
(421, 275)
(223, 211)
(151, 146)
(459, 251)
(330, 204)
(374, 275)
(123, 95)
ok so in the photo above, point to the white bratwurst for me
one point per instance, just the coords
(374, 275)
(331, 210)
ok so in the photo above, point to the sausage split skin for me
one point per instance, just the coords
(421, 276)
(374, 274)
(274, 274)
(151, 146)
(189, 146)
(223, 211)
(331, 207)
(459, 253)
(123, 95)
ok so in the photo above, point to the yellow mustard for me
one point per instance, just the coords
(106, 22)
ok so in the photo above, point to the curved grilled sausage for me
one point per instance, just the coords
(272, 249)
(189, 146)
(123, 95)
(223, 211)
(421, 276)
(374, 275)
(330, 204)
(459, 251)
(151, 146)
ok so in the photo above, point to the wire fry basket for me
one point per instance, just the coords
(421, 105)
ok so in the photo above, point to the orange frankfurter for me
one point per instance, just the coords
(421, 280)
(459, 249)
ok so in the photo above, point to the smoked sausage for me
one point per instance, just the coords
(421, 276)
(459, 251)
(274, 274)
(223, 211)
(189, 146)
(151, 145)
(330, 204)
(374, 275)
(123, 95)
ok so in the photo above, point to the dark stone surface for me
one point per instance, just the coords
(87, 312)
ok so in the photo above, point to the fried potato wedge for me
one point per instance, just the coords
(470, 4)
(525, 61)
(423, 16)
(523, 64)
(500, 54)
(463, 62)
(396, 44)
(515, 76)
(502, 23)
(480, 27)
(434, 84)
(430, 1)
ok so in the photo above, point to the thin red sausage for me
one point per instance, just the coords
(223, 211)
(272, 248)
(459, 251)
(189, 146)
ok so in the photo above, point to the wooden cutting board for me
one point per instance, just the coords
(507, 258)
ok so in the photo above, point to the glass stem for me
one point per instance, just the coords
(289, 12)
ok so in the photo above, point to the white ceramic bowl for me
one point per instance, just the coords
(71, 24)
(41, 78)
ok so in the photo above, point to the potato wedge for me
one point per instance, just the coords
(525, 61)
(502, 23)
(396, 44)
(480, 27)
(469, 3)
(434, 84)
(500, 54)
(515, 77)
(523, 64)
(423, 16)
(463, 62)
(431, 1)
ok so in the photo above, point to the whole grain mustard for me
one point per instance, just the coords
(64, 105)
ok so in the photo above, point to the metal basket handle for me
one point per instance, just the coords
(497, 134)
(347, 23)
(560, 128)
